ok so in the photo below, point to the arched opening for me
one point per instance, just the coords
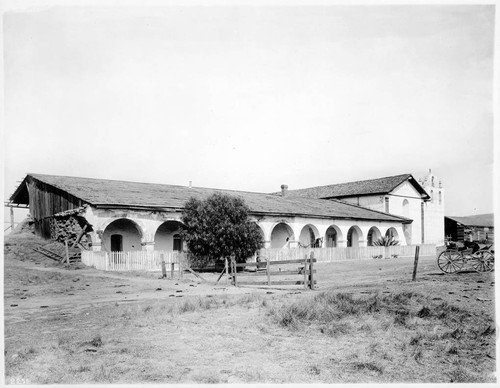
(332, 236)
(406, 208)
(168, 237)
(281, 236)
(392, 233)
(308, 237)
(353, 236)
(373, 235)
(122, 235)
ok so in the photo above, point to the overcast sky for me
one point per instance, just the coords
(248, 98)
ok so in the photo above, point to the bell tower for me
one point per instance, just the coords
(433, 210)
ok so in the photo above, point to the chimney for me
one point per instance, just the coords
(190, 184)
(284, 189)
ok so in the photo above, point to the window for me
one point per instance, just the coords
(177, 242)
(440, 198)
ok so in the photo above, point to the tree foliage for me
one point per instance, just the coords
(219, 226)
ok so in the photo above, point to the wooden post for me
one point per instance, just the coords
(163, 267)
(67, 251)
(12, 217)
(171, 270)
(311, 275)
(233, 260)
(268, 269)
(305, 271)
(180, 268)
(415, 264)
(231, 270)
(227, 269)
(80, 235)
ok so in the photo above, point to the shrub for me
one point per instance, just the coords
(220, 226)
(386, 241)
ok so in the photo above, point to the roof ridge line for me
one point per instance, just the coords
(358, 181)
(365, 208)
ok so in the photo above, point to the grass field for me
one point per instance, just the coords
(366, 322)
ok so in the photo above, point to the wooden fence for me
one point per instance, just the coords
(326, 255)
(134, 260)
(151, 260)
(263, 269)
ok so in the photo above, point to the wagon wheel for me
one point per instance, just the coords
(450, 262)
(483, 261)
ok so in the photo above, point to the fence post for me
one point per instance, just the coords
(305, 272)
(171, 268)
(415, 264)
(233, 260)
(163, 267)
(311, 275)
(268, 270)
(227, 270)
(180, 266)
(67, 252)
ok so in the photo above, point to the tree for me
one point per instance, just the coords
(220, 226)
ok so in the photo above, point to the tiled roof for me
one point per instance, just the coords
(357, 188)
(111, 193)
(484, 220)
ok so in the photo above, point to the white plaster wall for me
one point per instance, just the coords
(406, 191)
(373, 202)
(164, 242)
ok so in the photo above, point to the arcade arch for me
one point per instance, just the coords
(308, 236)
(373, 235)
(281, 236)
(392, 233)
(122, 235)
(332, 236)
(354, 236)
(168, 237)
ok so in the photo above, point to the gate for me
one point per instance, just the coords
(263, 269)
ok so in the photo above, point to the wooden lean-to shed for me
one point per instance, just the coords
(55, 212)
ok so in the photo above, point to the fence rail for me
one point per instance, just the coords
(305, 273)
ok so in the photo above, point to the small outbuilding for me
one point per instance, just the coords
(470, 228)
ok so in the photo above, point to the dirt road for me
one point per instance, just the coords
(87, 326)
